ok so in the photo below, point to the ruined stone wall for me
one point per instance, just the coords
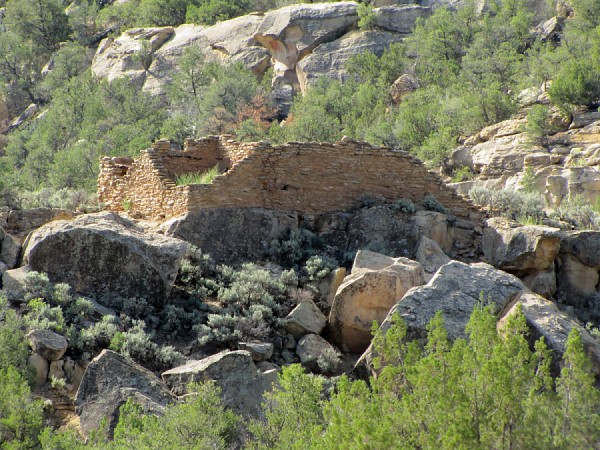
(200, 155)
(315, 178)
(312, 178)
(145, 188)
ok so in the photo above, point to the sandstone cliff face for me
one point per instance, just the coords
(299, 42)
(567, 166)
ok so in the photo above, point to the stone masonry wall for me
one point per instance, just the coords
(312, 178)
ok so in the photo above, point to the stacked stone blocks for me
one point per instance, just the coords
(310, 177)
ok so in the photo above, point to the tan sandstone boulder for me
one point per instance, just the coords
(376, 283)
(520, 249)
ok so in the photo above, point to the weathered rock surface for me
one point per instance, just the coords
(578, 270)
(242, 385)
(583, 245)
(329, 59)
(231, 234)
(455, 290)
(305, 318)
(317, 354)
(430, 256)
(520, 249)
(400, 18)
(260, 351)
(542, 282)
(13, 284)
(375, 284)
(40, 365)
(377, 228)
(20, 222)
(292, 32)
(10, 251)
(546, 320)
(576, 279)
(110, 379)
(48, 344)
(434, 225)
(328, 286)
(105, 254)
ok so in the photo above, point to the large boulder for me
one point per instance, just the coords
(520, 249)
(10, 250)
(106, 255)
(241, 383)
(292, 32)
(231, 235)
(455, 290)
(583, 245)
(109, 380)
(546, 320)
(578, 269)
(48, 344)
(375, 284)
(13, 284)
(329, 59)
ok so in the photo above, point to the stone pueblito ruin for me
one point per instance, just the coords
(311, 178)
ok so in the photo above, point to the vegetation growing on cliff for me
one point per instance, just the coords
(488, 391)
(470, 67)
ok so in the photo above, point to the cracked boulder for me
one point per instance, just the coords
(103, 254)
(374, 286)
(454, 290)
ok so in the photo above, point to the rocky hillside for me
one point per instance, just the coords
(252, 325)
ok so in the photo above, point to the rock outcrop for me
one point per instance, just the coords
(111, 379)
(329, 59)
(375, 284)
(241, 383)
(578, 271)
(565, 166)
(520, 249)
(455, 290)
(106, 255)
(300, 42)
(231, 234)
